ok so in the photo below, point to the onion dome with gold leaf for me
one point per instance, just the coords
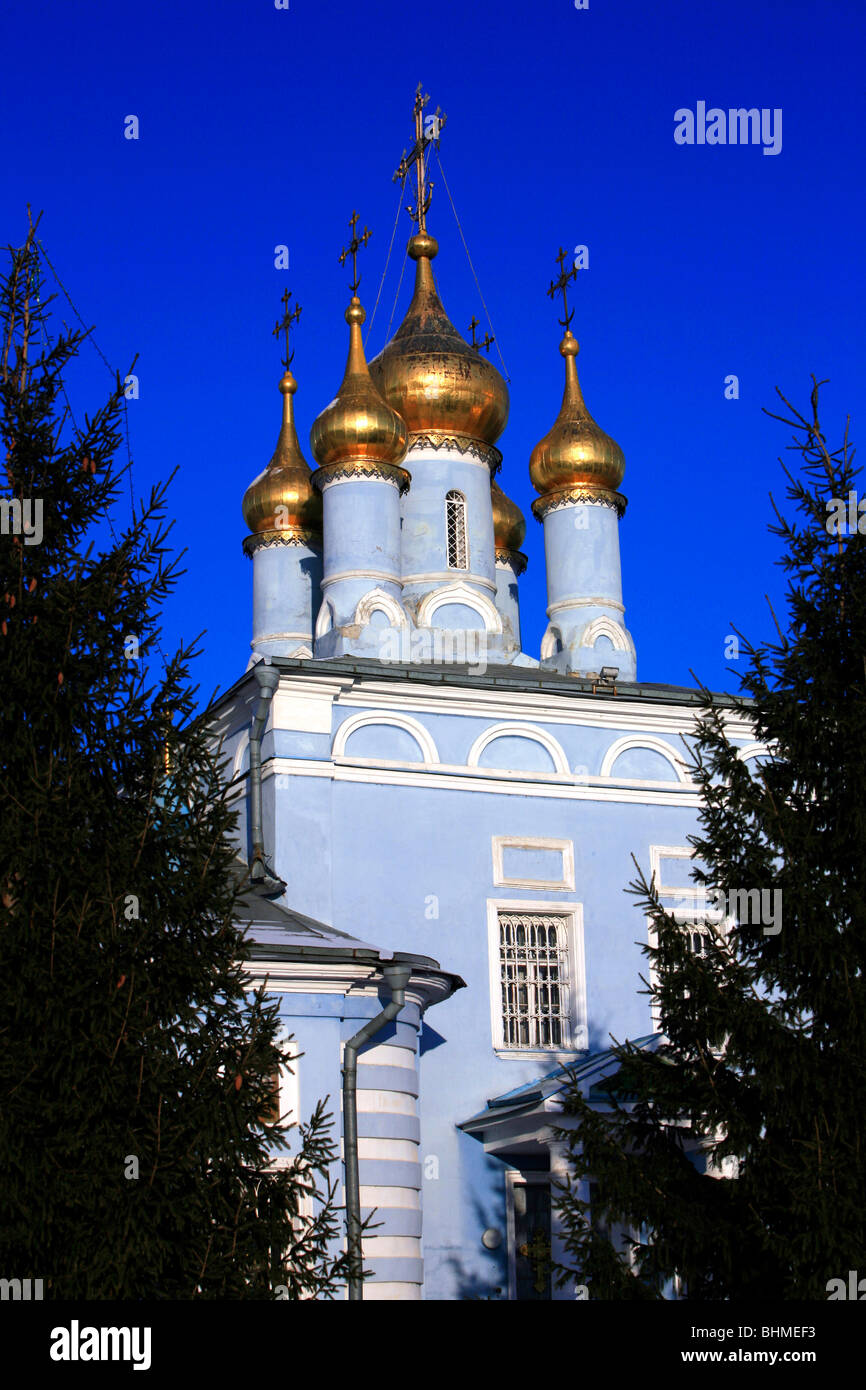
(281, 503)
(358, 431)
(576, 460)
(430, 375)
(509, 526)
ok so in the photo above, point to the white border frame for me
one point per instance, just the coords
(421, 735)
(604, 626)
(575, 984)
(378, 601)
(694, 893)
(652, 745)
(459, 592)
(565, 848)
(533, 735)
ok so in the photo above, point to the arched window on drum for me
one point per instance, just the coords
(455, 528)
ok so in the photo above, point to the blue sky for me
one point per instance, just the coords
(261, 127)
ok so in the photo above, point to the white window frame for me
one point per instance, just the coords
(456, 499)
(574, 986)
(687, 914)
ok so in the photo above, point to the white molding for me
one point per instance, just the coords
(280, 637)
(754, 750)
(575, 986)
(531, 734)
(694, 892)
(568, 708)
(446, 576)
(326, 618)
(606, 627)
(596, 601)
(421, 735)
(552, 637)
(564, 847)
(652, 745)
(290, 1081)
(243, 745)
(660, 852)
(378, 601)
(388, 576)
(459, 592)
(446, 776)
(306, 709)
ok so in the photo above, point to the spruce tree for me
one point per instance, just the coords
(136, 1064)
(735, 1154)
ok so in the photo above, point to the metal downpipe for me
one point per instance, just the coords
(268, 679)
(397, 978)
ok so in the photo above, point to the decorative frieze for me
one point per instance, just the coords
(461, 444)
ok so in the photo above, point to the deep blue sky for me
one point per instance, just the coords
(261, 126)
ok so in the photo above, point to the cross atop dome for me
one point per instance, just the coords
(427, 131)
(560, 286)
(485, 341)
(284, 325)
(352, 250)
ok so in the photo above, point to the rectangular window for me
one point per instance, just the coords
(533, 963)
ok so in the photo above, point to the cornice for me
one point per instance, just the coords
(457, 443)
(582, 494)
(265, 540)
(351, 470)
(515, 559)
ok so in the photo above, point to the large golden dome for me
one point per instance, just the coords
(509, 524)
(576, 453)
(358, 425)
(282, 499)
(430, 375)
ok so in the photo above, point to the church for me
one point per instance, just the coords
(438, 825)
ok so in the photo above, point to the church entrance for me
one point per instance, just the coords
(529, 1237)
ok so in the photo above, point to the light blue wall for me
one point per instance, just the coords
(581, 546)
(508, 603)
(361, 520)
(411, 868)
(424, 539)
(285, 596)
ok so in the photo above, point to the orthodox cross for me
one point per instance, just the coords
(284, 325)
(416, 156)
(353, 248)
(560, 286)
(537, 1252)
(485, 341)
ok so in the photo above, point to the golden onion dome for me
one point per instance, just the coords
(358, 425)
(282, 499)
(430, 375)
(509, 525)
(576, 451)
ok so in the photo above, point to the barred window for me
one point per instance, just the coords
(455, 526)
(533, 971)
(698, 937)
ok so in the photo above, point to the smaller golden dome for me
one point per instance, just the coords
(509, 524)
(358, 425)
(576, 451)
(282, 499)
